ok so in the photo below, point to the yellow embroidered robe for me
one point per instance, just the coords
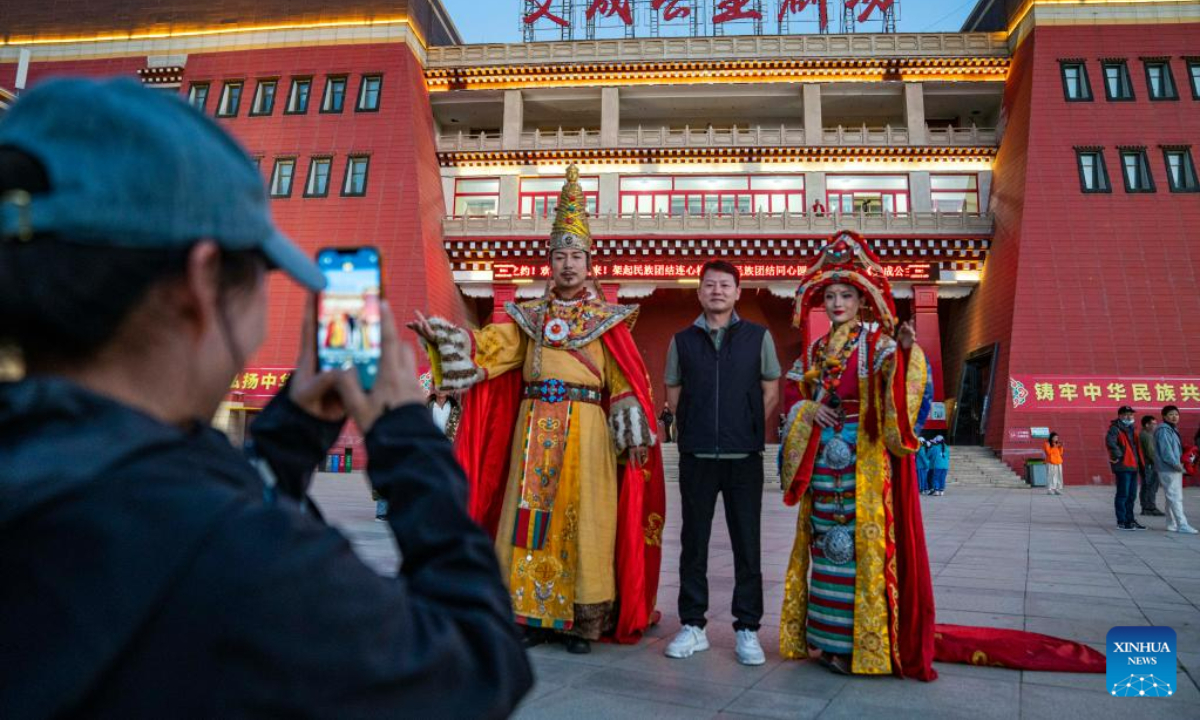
(569, 583)
(874, 531)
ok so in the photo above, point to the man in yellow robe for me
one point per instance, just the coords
(578, 540)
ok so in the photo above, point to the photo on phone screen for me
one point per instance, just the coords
(349, 333)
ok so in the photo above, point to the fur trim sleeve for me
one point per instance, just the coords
(629, 425)
(455, 350)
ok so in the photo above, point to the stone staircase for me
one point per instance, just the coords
(978, 466)
(770, 466)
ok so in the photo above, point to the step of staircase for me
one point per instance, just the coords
(978, 466)
(970, 466)
(670, 453)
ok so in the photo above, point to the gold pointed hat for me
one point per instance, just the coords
(571, 231)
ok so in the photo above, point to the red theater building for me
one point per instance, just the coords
(1028, 182)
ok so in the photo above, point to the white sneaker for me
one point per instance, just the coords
(688, 642)
(749, 652)
(1188, 530)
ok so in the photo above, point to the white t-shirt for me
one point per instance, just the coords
(441, 414)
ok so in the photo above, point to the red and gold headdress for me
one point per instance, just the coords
(571, 231)
(847, 259)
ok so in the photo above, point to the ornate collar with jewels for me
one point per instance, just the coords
(569, 324)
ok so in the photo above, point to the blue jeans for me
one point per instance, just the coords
(937, 479)
(923, 478)
(1127, 489)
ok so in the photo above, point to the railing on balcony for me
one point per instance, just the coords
(686, 137)
(970, 137)
(735, 137)
(753, 223)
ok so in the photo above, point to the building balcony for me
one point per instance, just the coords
(748, 137)
(766, 224)
(701, 49)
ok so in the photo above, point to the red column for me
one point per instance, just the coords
(610, 291)
(502, 293)
(816, 325)
(925, 310)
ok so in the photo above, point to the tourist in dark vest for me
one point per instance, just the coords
(721, 380)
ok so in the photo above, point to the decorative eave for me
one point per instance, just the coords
(161, 76)
(915, 69)
(634, 156)
(965, 252)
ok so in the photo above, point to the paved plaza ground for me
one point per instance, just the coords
(1001, 557)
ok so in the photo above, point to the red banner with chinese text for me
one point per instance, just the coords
(260, 382)
(1031, 393)
(764, 270)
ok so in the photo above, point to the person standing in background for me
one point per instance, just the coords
(1054, 464)
(1149, 492)
(446, 412)
(923, 466)
(1168, 449)
(666, 421)
(939, 465)
(1125, 458)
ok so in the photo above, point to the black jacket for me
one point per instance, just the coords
(149, 571)
(721, 399)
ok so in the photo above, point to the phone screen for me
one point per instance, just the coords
(349, 333)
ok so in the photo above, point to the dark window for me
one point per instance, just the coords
(335, 95)
(1194, 77)
(368, 93)
(1135, 170)
(1093, 175)
(318, 178)
(1075, 82)
(356, 176)
(297, 103)
(281, 177)
(264, 98)
(1159, 81)
(198, 95)
(1181, 172)
(231, 98)
(1116, 81)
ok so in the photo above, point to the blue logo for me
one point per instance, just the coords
(1141, 662)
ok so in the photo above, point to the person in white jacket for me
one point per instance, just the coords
(1168, 463)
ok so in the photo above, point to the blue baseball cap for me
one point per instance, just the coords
(138, 168)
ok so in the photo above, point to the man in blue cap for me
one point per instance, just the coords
(149, 569)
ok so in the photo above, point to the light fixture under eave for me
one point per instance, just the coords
(137, 35)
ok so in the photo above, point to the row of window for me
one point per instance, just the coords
(724, 194)
(320, 169)
(266, 90)
(1160, 80)
(1135, 170)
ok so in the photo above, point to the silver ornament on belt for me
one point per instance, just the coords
(837, 545)
(837, 455)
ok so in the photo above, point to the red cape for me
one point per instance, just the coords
(484, 447)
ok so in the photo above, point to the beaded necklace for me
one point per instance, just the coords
(831, 365)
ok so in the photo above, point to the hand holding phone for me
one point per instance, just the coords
(349, 335)
(396, 383)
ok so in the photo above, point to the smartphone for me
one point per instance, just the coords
(349, 329)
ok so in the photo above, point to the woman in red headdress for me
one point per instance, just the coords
(859, 396)
(868, 607)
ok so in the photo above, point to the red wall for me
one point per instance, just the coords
(402, 209)
(1086, 284)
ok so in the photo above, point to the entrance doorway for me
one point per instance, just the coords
(974, 397)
